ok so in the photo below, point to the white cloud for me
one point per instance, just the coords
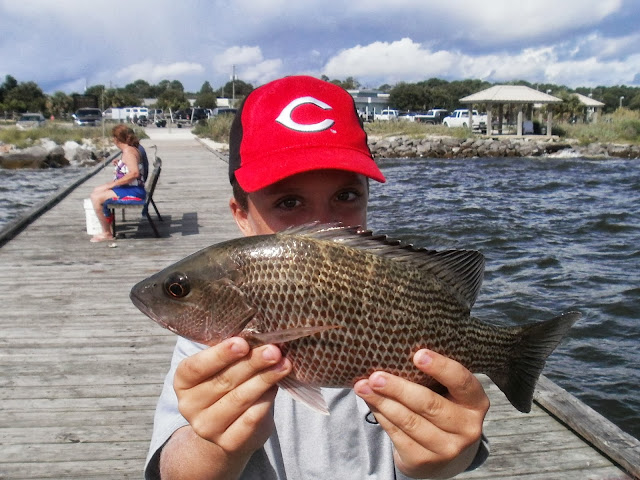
(236, 55)
(262, 72)
(250, 64)
(368, 39)
(406, 60)
(394, 61)
(602, 47)
(488, 22)
(156, 72)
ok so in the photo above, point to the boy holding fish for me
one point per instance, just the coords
(298, 154)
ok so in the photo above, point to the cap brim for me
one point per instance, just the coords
(269, 169)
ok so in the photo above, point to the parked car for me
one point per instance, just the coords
(408, 116)
(224, 111)
(87, 116)
(199, 114)
(30, 120)
(387, 114)
(460, 118)
(433, 116)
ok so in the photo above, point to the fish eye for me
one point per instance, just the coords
(177, 285)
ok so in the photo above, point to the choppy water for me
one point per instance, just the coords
(558, 235)
(21, 190)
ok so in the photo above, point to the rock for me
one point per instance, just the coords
(450, 147)
(555, 147)
(30, 157)
(80, 155)
(55, 158)
(621, 151)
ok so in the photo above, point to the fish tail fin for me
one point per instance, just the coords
(532, 346)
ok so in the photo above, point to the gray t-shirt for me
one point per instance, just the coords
(305, 444)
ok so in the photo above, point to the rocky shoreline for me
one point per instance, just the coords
(450, 147)
(48, 154)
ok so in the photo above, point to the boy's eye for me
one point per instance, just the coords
(347, 196)
(288, 203)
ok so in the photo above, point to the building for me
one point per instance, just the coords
(370, 102)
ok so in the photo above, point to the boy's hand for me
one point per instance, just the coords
(226, 392)
(434, 436)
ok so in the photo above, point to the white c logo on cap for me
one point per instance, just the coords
(285, 116)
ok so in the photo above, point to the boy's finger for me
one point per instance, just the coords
(203, 365)
(464, 388)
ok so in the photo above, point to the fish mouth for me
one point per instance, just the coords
(139, 303)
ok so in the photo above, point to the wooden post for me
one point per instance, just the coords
(489, 129)
(519, 126)
(471, 116)
(549, 116)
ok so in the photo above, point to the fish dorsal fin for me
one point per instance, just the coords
(462, 270)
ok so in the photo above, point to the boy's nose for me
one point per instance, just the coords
(324, 214)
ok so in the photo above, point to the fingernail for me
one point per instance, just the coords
(423, 358)
(269, 354)
(280, 366)
(237, 347)
(363, 388)
(378, 380)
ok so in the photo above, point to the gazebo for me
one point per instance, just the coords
(518, 95)
(593, 107)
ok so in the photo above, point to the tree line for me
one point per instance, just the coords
(27, 96)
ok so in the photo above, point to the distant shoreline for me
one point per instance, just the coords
(402, 146)
(397, 146)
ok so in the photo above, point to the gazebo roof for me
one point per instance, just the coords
(588, 101)
(510, 94)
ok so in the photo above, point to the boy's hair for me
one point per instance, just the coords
(240, 195)
(294, 125)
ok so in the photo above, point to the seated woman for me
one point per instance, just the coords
(128, 180)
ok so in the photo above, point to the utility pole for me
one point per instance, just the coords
(233, 86)
(102, 109)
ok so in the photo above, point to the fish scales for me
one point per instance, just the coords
(383, 315)
(342, 304)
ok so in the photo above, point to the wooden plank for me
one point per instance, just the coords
(622, 448)
(85, 469)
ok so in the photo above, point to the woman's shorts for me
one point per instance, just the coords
(126, 193)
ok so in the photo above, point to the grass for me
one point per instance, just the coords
(623, 126)
(217, 128)
(58, 132)
(413, 129)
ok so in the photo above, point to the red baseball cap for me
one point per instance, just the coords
(295, 125)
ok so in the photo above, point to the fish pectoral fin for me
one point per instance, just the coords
(308, 395)
(284, 336)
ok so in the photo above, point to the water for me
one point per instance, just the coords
(21, 190)
(558, 234)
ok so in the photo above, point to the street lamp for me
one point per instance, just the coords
(621, 98)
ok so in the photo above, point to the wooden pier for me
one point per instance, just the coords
(81, 368)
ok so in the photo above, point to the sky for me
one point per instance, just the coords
(66, 45)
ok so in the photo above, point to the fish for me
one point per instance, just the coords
(342, 302)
